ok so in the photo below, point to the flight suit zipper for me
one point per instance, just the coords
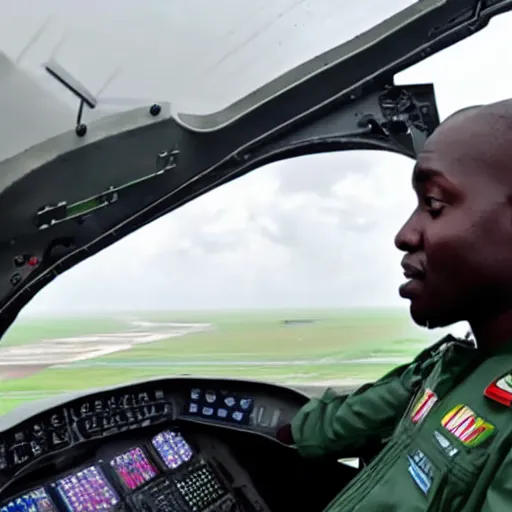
(364, 482)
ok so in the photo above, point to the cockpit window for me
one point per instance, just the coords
(201, 58)
(285, 275)
(288, 274)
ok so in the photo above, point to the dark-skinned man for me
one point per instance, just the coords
(447, 416)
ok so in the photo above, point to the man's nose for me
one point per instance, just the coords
(409, 238)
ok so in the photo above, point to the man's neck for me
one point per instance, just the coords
(493, 332)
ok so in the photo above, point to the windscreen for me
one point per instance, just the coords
(201, 56)
(288, 274)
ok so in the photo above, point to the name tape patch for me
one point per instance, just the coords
(420, 469)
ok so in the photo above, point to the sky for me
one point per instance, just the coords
(315, 231)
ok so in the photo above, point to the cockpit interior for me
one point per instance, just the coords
(72, 184)
(165, 445)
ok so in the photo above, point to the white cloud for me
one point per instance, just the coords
(250, 243)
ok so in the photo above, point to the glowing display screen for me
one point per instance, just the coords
(134, 468)
(172, 448)
(87, 491)
(33, 501)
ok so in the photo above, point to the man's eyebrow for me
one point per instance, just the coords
(422, 175)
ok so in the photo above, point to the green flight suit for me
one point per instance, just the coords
(438, 456)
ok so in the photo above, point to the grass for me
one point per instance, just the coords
(71, 379)
(261, 336)
(238, 347)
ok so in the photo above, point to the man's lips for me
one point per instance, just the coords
(412, 271)
(415, 276)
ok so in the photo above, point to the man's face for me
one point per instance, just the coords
(458, 240)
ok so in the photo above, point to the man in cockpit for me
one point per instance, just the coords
(446, 418)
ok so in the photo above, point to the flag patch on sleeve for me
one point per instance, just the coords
(500, 390)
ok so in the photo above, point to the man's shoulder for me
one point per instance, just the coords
(444, 354)
(445, 347)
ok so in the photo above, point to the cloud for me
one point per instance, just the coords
(318, 174)
(252, 243)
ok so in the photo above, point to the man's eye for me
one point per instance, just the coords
(433, 204)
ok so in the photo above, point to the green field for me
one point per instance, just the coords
(347, 344)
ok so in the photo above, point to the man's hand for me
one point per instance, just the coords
(284, 434)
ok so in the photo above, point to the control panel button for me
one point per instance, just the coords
(16, 279)
(20, 260)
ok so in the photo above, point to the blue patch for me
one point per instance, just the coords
(420, 469)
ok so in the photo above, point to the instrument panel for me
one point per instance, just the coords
(225, 406)
(81, 420)
(163, 472)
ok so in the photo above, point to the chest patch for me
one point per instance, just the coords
(466, 426)
(445, 444)
(500, 390)
(423, 405)
(420, 469)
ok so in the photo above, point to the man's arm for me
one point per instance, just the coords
(333, 424)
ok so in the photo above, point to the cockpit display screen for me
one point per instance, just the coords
(172, 448)
(87, 491)
(33, 501)
(134, 468)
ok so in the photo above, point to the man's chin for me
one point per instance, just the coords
(419, 318)
(428, 317)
